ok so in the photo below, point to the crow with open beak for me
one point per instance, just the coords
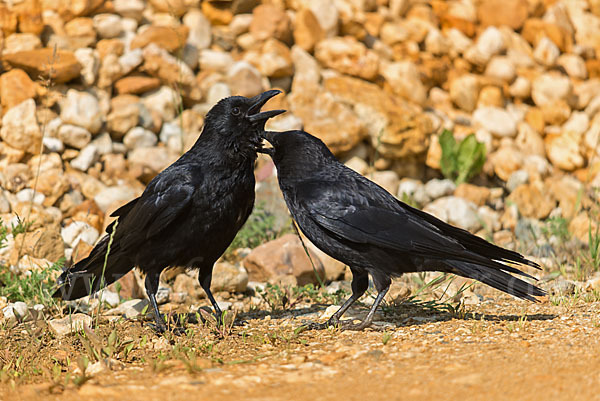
(188, 214)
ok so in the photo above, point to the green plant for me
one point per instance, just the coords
(36, 287)
(286, 297)
(461, 161)
(258, 229)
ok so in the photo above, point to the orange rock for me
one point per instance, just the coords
(307, 30)
(15, 87)
(60, 65)
(474, 193)
(110, 46)
(29, 16)
(532, 200)
(283, 257)
(503, 12)
(270, 21)
(216, 13)
(8, 20)
(136, 84)
(166, 37)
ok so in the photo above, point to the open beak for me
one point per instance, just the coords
(254, 115)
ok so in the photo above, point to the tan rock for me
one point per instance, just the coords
(490, 96)
(476, 194)
(405, 80)
(16, 87)
(535, 29)
(556, 112)
(217, 12)
(43, 243)
(532, 200)
(29, 16)
(512, 13)
(334, 123)
(275, 60)
(168, 38)
(535, 118)
(8, 20)
(505, 161)
(60, 66)
(175, 7)
(529, 141)
(110, 46)
(136, 84)
(397, 128)
(229, 277)
(307, 30)
(70, 324)
(69, 9)
(348, 56)
(568, 191)
(283, 257)
(464, 91)
(270, 21)
(582, 225)
(20, 128)
(563, 150)
(52, 183)
(81, 32)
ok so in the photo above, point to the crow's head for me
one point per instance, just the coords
(297, 151)
(236, 122)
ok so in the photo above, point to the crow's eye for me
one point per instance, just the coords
(235, 111)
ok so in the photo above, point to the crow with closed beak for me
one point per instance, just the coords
(188, 214)
(359, 223)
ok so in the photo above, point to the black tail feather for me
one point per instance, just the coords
(498, 279)
(90, 274)
(474, 243)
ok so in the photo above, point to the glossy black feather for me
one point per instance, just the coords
(359, 223)
(189, 213)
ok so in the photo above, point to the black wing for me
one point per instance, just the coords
(365, 213)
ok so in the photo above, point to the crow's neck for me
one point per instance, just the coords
(222, 150)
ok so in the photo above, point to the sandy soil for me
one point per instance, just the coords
(499, 350)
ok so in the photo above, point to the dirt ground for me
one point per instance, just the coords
(501, 349)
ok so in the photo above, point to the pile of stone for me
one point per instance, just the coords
(99, 96)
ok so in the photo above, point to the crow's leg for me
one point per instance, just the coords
(151, 284)
(382, 284)
(360, 283)
(205, 278)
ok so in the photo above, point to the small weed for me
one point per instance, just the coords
(258, 229)
(387, 336)
(35, 287)
(461, 161)
(279, 297)
(224, 327)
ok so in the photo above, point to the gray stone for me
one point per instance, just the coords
(516, 179)
(90, 64)
(108, 25)
(110, 298)
(85, 159)
(457, 211)
(81, 109)
(15, 311)
(200, 30)
(74, 136)
(77, 231)
(130, 309)
(111, 196)
(139, 137)
(495, 120)
(28, 194)
(229, 277)
(162, 295)
(437, 188)
(53, 145)
(69, 324)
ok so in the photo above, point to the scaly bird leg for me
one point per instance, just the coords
(151, 284)
(205, 278)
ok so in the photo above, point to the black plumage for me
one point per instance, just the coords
(188, 214)
(359, 223)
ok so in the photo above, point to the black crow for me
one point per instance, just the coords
(359, 223)
(188, 214)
